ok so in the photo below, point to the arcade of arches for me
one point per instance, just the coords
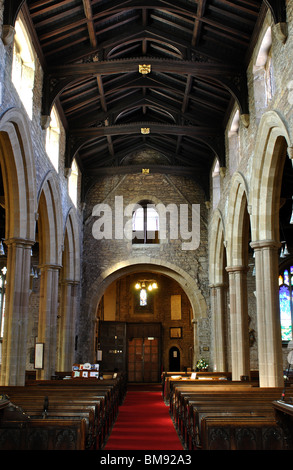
(73, 291)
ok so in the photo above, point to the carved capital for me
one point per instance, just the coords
(45, 122)
(245, 119)
(8, 33)
(67, 172)
(222, 171)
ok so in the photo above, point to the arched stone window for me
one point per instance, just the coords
(145, 224)
(73, 183)
(234, 143)
(23, 66)
(216, 181)
(53, 138)
(263, 74)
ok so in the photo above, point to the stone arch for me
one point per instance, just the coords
(272, 138)
(18, 173)
(144, 263)
(50, 258)
(237, 267)
(236, 220)
(68, 286)
(217, 248)
(50, 220)
(18, 169)
(188, 284)
(71, 248)
(218, 291)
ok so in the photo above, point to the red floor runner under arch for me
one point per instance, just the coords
(143, 423)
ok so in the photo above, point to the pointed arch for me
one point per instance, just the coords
(19, 176)
(273, 138)
(68, 286)
(50, 221)
(237, 221)
(269, 156)
(71, 248)
(217, 248)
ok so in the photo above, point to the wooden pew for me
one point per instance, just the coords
(242, 433)
(171, 379)
(222, 409)
(61, 406)
(88, 410)
(72, 395)
(185, 395)
(180, 390)
(19, 432)
(194, 403)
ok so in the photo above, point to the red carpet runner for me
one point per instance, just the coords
(143, 423)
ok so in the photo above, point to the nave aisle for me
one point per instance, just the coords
(143, 423)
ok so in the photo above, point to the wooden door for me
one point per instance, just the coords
(113, 345)
(151, 360)
(143, 360)
(135, 360)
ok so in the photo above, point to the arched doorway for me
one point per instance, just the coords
(135, 337)
(95, 298)
(174, 359)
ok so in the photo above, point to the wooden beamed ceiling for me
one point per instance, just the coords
(198, 52)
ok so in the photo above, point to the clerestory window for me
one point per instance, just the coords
(53, 138)
(145, 224)
(23, 66)
(73, 183)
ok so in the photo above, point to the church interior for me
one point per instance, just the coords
(146, 224)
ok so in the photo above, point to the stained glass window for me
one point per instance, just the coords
(143, 297)
(286, 300)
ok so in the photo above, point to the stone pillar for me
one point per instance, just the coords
(48, 310)
(268, 313)
(195, 344)
(218, 302)
(66, 330)
(239, 321)
(16, 312)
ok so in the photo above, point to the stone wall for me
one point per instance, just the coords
(281, 102)
(101, 255)
(9, 99)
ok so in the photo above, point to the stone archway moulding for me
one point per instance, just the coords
(19, 175)
(18, 172)
(145, 263)
(131, 265)
(216, 248)
(265, 163)
(49, 207)
(72, 233)
(267, 168)
(238, 199)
